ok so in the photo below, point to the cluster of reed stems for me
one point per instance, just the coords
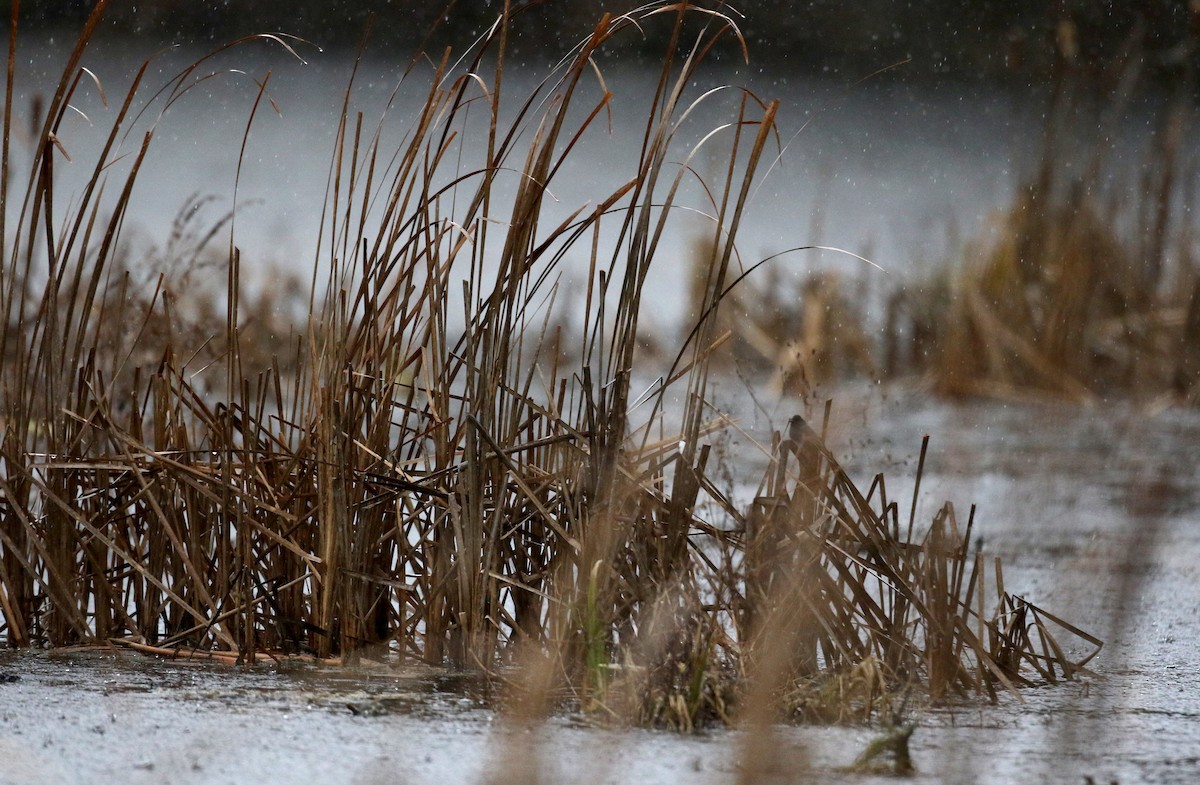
(423, 475)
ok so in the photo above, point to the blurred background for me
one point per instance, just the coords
(968, 39)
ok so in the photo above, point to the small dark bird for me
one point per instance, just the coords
(805, 444)
(798, 430)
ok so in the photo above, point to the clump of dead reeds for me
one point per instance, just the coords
(870, 605)
(421, 477)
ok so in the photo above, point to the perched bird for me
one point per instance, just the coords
(806, 446)
(798, 429)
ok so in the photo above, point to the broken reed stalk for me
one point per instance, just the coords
(830, 575)
(424, 477)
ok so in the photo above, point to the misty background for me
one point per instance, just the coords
(964, 39)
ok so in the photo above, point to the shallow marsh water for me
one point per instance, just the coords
(1094, 513)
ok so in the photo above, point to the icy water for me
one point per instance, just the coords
(1094, 513)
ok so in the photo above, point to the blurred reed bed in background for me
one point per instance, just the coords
(1084, 288)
